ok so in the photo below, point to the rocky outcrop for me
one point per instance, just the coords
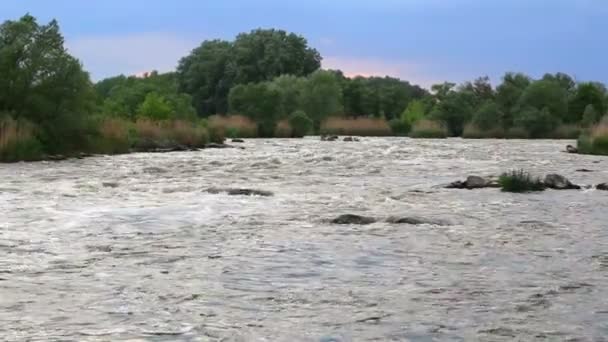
(475, 182)
(571, 149)
(559, 182)
(416, 221)
(353, 219)
(240, 192)
(603, 186)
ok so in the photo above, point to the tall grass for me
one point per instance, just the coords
(520, 181)
(429, 129)
(114, 137)
(233, 126)
(356, 126)
(595, 141)
(18, 141)
(283, 129)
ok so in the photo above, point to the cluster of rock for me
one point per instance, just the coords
(352, 219)
(551, 181)
(336, 138)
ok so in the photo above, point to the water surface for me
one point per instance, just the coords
(131, 247)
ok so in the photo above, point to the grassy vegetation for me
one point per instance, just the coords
(357, 126)
(595, 141)
(18, 141)
(429, 129)
(520, 181)
(233, 126)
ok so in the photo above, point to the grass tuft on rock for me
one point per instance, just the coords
(520, 181)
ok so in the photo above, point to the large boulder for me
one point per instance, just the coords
(559, 182)
(603, 186)
(239, 192)
(571, 149)
(353, 219)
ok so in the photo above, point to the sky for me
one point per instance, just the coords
(422, 41)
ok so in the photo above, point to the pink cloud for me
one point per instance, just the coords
(413, 72)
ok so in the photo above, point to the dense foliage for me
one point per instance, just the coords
(263, 83)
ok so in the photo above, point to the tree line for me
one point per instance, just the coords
(48, 103)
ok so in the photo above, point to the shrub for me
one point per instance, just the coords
(234, 126)
(596, 140)
(18, 141)
(356, 126)
(187, 134)
(399, 127)
(565, 132)
(538, 123)
(520, 181)
(300, 124)
(429, 129)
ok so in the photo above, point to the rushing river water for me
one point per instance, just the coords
(132, 248)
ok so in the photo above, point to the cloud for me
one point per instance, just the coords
(416, 73)
(130, 54)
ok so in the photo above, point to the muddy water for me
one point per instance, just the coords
(131, 247)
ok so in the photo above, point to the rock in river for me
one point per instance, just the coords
(571, 149)
(353, 219)
(416, 221)
(603, 186)
(559, 182)
(240, 192)
(474, 182)
(238, 140)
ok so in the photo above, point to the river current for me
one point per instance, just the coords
(132, 248)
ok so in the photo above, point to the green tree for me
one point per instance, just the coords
(587, 93)
(290, 89)
(455, 108)
(258, 101)
(41, 82)
(207, 74)
(538, 123)
(508, 94)
(546, 93)
(155, 107)
(488, 116)
(414, 112)
(322, 96)
(300, 124)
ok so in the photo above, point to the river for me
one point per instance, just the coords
(131, 247)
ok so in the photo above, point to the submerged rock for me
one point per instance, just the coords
(352, 139)
(474, 182)
(240, 192)
(110, 185)
(416, 221)
(238, 140)
(571, 149)
(329, 137)
(584, 170)
(603, 186)
(559, 182)
(353, 219)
